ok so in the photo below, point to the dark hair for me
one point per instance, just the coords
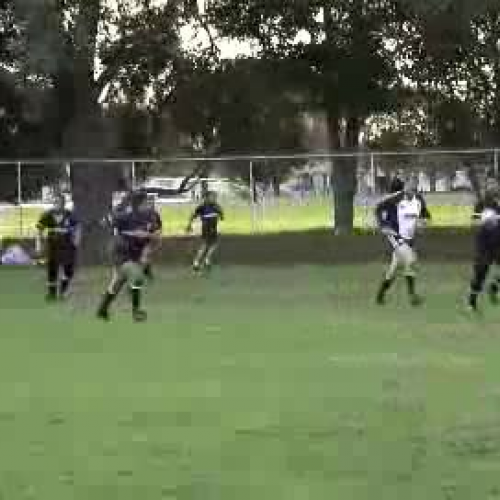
(138, 197)
(396, 185)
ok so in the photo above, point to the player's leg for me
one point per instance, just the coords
(480, 273)
(146, 261)
(52, 274)
(68, 272)
(409, 259)
(494, 287)
(212, 246)
(389, 278)
(118, 280)
(200, 256)
(134, 272)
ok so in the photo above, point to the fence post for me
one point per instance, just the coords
(20, 198)
(252, 196)
(373, 173)
(495, 162)
(133, 175)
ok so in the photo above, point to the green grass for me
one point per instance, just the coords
(241, 219)
(252, 383)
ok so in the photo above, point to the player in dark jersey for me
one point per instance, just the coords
(209, 213)
(487, 245)
(133, 234)
(398, 216)
(63, 236)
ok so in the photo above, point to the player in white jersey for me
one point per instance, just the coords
(398, 217)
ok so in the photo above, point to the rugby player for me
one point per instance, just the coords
(63, 235)
(133, 235)
(398, 216)
(487, 245)
(209, 213)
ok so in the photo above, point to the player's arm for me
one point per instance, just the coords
(41, 227)
(220, 212)
(192, 218)
(424, 210)
(157, 228)
(77, 231)
(478, 209)
(382, 208)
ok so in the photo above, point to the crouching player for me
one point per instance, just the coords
(210, 213)
(487, 246)
(63, 238)
(133, 234)
(398, 217)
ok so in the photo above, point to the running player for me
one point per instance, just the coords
(63, 238)
(133, 234)
(487, 245)
(210, 213)
(398, 217)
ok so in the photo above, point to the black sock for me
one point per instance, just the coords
(136, 299)
(107, 300)
(410, 282)
(64, 285)
(385, 285)
(52, 290)
(473, 299)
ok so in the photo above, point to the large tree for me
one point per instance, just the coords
(336, 54)
(77, 50)
(237, 107)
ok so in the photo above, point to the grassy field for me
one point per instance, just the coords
(241, 219)
(268, 384)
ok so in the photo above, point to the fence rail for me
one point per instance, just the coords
(320, 155)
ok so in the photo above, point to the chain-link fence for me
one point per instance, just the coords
(259, 194)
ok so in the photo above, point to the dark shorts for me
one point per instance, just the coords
(123, 253)
(62, 254)
(210, 237)
(488, 254)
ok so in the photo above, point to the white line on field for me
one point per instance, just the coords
(405, 361)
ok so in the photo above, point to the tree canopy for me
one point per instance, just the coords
(98, 78)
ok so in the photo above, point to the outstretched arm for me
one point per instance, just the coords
(191, 180)
(221, 212)
(424, 211)
(192, 218)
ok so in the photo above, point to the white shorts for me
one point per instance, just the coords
(403, 256)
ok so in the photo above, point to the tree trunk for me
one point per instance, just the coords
(88, 136)
(92, 185)
(343, 175)
(432, 173)
(276, 185)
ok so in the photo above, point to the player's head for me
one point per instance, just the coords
(138, 200)
(411, 186)
(151, 199)
(492, 189)
(210, 197)
(397, 185)
(59, 201)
